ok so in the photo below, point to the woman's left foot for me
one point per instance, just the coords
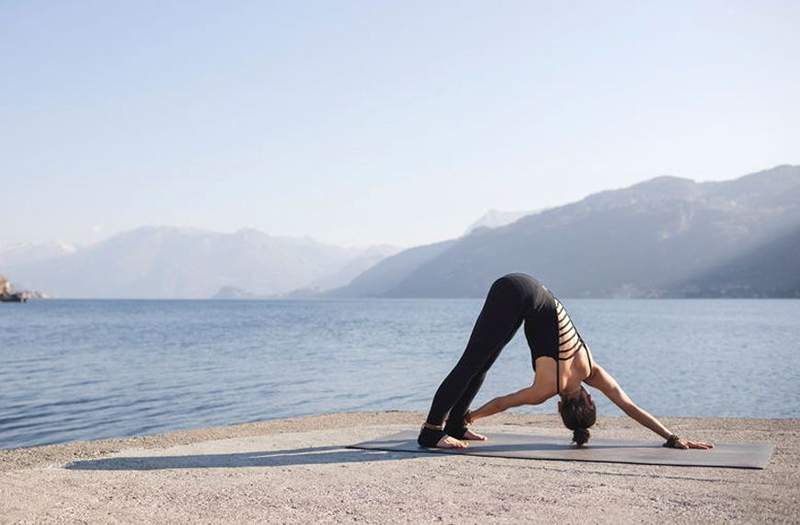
(469, 434)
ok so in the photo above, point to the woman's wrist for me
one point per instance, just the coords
(469, 417)
(664, 432)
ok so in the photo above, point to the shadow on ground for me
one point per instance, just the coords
(269, 458)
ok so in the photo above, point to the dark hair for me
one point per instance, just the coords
(578, 414)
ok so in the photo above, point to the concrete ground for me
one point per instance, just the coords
(296, 471)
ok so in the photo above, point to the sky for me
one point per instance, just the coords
(361, 123)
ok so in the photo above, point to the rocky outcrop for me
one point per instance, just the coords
(8, 295)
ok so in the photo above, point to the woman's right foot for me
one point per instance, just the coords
(451, 442)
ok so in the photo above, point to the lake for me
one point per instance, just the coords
(88, 369)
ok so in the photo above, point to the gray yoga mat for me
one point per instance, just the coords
(531, 446)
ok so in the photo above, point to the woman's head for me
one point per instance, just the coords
(578, 413)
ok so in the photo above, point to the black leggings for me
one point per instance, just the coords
(511, 299)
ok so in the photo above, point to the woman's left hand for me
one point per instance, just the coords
(468, 417)
(698, 444)
(685, 443)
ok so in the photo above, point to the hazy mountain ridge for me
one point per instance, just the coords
(496, 218)
(13, 254)
(649, 239)
(390, 271)
(172, 262)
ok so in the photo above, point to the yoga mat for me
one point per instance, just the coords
(531, 446)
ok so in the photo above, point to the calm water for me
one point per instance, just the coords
(92, 369)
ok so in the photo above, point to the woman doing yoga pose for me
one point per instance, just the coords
(561, 360)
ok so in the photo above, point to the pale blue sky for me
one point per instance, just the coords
(376, 122)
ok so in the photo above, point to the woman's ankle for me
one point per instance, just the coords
(457, 429)
(429, 437)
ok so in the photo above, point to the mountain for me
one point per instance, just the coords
(497, 218)
(390, 272)
(771, 269)
(355, 267)
(170, 262)
(650, 239)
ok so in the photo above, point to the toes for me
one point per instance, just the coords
(451, 442)
(458, 444)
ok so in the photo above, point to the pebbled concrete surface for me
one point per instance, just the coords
(296, 471)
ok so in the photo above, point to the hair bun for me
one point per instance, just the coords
(580, 436)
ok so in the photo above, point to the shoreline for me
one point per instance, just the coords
(296, 470)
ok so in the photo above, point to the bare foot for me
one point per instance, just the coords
(451, 442)
(469, 434)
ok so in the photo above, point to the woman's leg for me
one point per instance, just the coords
(455, 420)
(499, 320)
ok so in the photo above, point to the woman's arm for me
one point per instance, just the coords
(603, 381)
(535, 394)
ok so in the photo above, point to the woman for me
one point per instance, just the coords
(561, 360)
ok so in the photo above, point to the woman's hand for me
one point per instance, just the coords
(468, 419)
(677, 442)
(685, 443)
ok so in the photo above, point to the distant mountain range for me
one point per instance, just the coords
(169, 262)
(665, 237)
